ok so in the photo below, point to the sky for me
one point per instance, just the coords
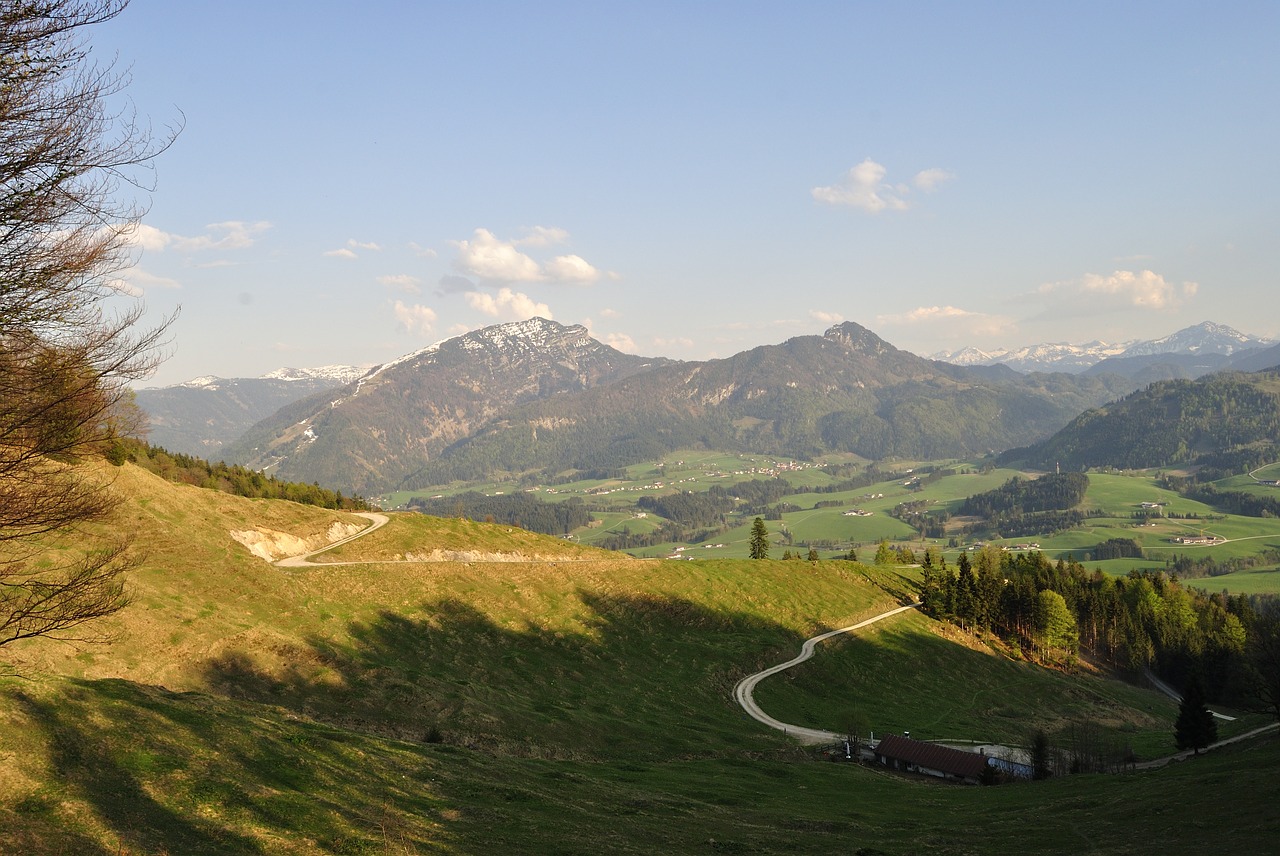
(353, 182)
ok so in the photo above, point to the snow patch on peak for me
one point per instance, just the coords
(341, 374)
(202, 382)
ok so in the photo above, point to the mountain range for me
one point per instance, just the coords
(1190, 352)
(541, 396)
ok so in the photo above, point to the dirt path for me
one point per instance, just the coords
(743, 693)
(378, 520)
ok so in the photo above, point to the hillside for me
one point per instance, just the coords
(1227, 419)
(379, 704)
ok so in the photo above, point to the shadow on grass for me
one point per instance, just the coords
(644, 679)
(647, 677)
(184, 773)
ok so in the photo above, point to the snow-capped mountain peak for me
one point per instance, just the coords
(341, 374)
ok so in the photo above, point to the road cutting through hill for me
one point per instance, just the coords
(378, 520)
(743, 693)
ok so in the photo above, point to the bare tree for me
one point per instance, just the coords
(71, 168)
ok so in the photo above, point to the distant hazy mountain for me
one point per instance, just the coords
(1199, 341)
(541, 396)
(201, 416)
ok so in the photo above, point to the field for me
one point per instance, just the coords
(835, 528)
(580, 703)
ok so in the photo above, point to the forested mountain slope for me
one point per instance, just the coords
(1233, 415)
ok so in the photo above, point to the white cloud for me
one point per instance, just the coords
(148, 237)
(363, 245)
(826, 317)
(421, 251)
(342, 253)
(929, 179)
(610, 313)
(458, 329)
(135, 281)
(403, 281)
(863, 187)
(621, 341)
(491, 259)
(229, 235)
(542, 236)
(416, 318)
(125, 288)
(486, 257)
(1139, 290)
(508, 304)
(571, 269)
(975, 323)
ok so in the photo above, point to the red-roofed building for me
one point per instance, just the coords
(913, 756)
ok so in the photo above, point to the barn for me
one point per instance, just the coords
(914, 756)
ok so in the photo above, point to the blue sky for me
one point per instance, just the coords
(355, 181)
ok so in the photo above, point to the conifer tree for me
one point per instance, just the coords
(759, 539)
(1195, 728)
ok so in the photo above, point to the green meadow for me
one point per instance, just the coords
(562, 699)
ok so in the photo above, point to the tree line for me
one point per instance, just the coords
(228, 478)
(1052, 611)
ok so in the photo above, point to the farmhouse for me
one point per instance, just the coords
(913, 756)
(1197, 539)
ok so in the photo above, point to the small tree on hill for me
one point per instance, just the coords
(1195, 728)
(759, 539)
(813, 554)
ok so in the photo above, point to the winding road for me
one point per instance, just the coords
(378, 520)
(743, 693)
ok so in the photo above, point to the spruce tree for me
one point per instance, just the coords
(1195, 728)
(759, 539)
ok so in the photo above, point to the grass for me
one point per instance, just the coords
(112, 767)
(581, 707)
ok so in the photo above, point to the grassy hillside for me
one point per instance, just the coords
(580, 704)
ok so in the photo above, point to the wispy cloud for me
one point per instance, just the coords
(135, 281)
(402, 281)
(929, 180)
(341, 253)
(976, 323)
(228, 235)
(864, 187)
(542, 236)
(826, 317)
